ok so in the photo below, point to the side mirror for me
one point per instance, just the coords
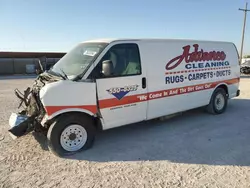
(107, 68)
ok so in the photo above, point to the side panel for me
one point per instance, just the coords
(66, 96)
(182, 75)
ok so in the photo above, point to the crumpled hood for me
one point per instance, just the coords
(43, 79)
(30, 99)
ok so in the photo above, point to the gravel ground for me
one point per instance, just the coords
(192, 150)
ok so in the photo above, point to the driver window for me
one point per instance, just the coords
(125, 59)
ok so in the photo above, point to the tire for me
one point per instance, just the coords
(242, 70)
(218, 102)
(247, 71)
(70, 134)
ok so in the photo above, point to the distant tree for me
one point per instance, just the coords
(247, 56)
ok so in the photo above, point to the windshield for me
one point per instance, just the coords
(78, 60)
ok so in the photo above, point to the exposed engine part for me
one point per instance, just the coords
(40, 64)
(23, 97)
(32, 108)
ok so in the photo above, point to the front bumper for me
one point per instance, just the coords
(19, 125)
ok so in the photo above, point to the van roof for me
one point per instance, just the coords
(110, 40)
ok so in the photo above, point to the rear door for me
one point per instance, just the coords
(120, 97)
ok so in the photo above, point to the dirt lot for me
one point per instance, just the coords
(192, 150)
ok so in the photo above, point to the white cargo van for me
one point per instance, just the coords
(104, 84)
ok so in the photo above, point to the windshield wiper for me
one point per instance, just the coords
(77, 77)
(64, 74)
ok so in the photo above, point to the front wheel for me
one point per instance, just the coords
(218, 102)
(70, 134)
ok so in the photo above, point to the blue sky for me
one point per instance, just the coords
(58, 25)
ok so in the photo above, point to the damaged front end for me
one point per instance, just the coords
(29, 119)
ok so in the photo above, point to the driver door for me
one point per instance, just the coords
(120, 96)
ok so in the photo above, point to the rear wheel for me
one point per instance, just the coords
(218, 102)
(70, 134)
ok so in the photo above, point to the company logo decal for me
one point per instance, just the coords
(120, 92)
(199, 65)
(198, 56)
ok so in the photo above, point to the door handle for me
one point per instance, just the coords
(144, 83)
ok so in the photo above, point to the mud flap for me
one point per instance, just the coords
(20, 125)
(238, 93)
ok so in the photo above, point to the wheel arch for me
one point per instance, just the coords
(210, 107)
(78, 112)
(69, 110)
(211, 92)
(223, 86)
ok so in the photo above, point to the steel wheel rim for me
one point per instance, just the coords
(73, 137)
(219, 101)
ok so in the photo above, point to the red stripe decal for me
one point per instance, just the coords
(53, 109)
(108, 103)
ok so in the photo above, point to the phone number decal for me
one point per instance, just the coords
(122, 89)
(120, 92)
